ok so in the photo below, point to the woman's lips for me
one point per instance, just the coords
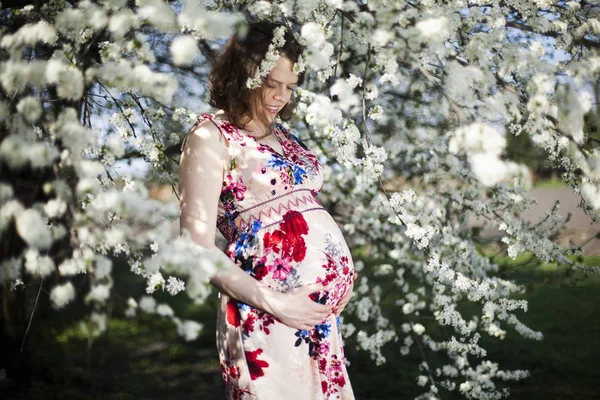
(272, 109)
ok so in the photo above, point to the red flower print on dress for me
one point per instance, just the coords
(281, 269)
(272, 241)
(232, 130)
(265, 320)
(324, 348)
(255, 366)
(323, 364)
(260, 272)
(236, 188)
(298, 250)
(336, 373)
(294, 224)
(249, 323)
(233, 314)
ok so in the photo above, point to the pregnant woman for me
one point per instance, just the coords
(291, 273)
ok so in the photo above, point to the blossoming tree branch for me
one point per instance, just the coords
(409, 104)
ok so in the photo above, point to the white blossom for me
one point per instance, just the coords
(418, 329)
(346, 99)
(16, 284)
(55, 208)
(205, 23)
(189, 330)
(262, 9)
(408, 308)
(158, 13)
(319, 50)
(433, 29)
(30, 34)
(174, 285)
(8, 211)
(32, 228)
(184, 49)
(122, 21)
(354, 81)
(164, 310)
(38, 265)
(592, 194)
(270, 59)
(98, 320)
(131, 308)
(72, 266)
(18, 152)
(61, 295)
(11, 269)
(155, 281)
(98, 293)
(103, 267)
(147, 304)
(30, 108)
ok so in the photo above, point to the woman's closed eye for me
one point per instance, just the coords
(274, 84)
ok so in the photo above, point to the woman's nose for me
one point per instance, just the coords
(280, 93)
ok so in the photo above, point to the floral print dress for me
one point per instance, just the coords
(279, 233)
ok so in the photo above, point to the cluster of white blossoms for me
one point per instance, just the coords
(483, 145)
(318, 49)
(184, 49)
(408, 106)
(270, 59)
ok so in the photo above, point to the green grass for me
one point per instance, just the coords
(548, 184)
(140, 358)
(143, 358)
(563, 305)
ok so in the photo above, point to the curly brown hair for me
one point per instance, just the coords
(238, 61)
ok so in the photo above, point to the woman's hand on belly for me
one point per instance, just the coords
(297, 310)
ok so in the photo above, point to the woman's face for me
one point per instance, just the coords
(277, 88)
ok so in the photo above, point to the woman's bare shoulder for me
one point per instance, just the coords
(205, 134)
(205, 128)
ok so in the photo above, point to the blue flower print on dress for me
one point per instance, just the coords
(302, 335)
(299, 174)
(245, 238)
(277, 162)
(323, 330)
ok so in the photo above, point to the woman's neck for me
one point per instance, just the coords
(258, 130)
(253, 127)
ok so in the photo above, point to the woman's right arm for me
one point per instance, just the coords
(203, 161)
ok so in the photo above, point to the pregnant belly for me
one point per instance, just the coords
(328, 259)
(303, 247)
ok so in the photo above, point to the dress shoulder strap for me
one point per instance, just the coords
(201, 118)
(287, 132)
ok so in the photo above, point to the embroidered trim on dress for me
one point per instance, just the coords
(270, 212)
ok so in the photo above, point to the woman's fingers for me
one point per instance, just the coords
(313, 287)
(341, 305)
(305, 313)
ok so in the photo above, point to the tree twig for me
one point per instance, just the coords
(32, 313)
